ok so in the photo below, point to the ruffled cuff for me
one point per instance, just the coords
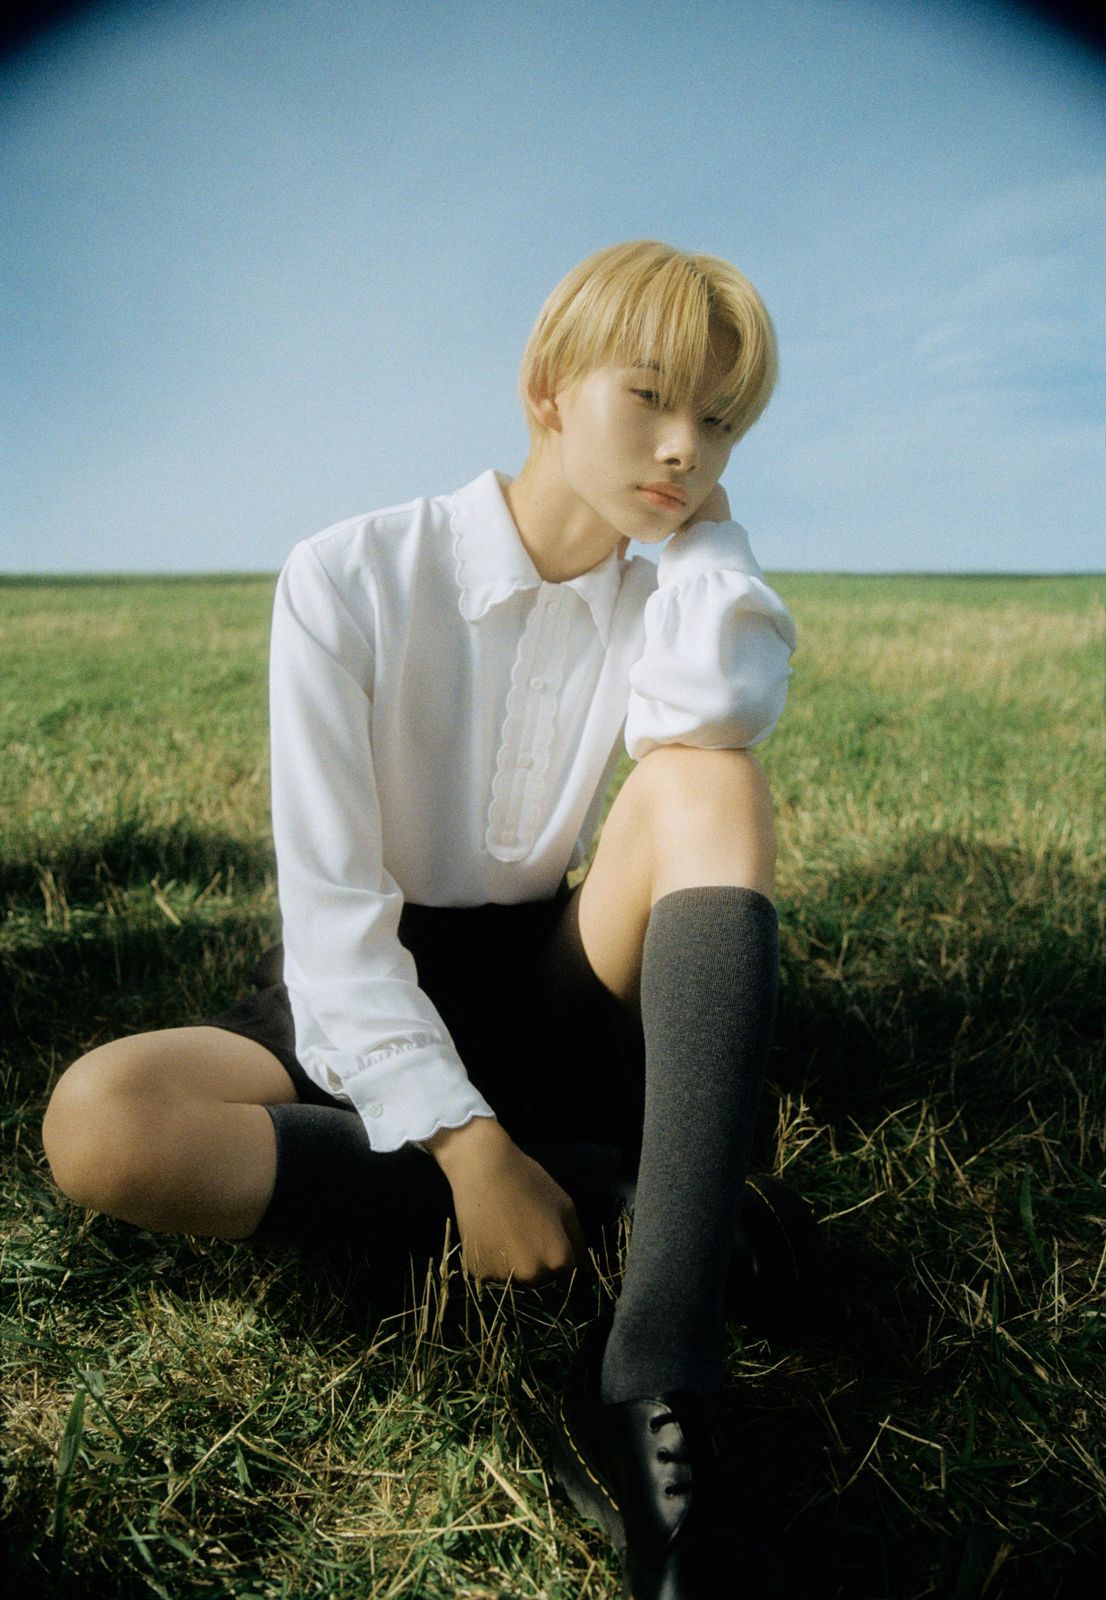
(403, 1094)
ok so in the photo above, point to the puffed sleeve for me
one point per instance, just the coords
(714, 668)
(364, 1028)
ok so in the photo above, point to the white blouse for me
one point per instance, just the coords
(445, 726)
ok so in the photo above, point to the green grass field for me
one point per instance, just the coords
(186, 1417)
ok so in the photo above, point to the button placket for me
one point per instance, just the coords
(525, 745)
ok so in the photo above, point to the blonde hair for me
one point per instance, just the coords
(649, 303)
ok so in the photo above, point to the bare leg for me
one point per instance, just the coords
(683, 818)
(169, 1130)
(676, 918)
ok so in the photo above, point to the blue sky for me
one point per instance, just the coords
(270, 264)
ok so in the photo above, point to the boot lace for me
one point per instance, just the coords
(708, 1455)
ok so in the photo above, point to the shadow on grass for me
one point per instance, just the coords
(953, 964)
(132, 853)
(892, 973)
(80, 987)
(88, 954)
(955, 975)
(861, 1536)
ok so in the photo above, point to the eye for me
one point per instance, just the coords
(716, 422)
(649, 395)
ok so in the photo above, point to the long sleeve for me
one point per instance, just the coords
(364, 1028)
(714, 668)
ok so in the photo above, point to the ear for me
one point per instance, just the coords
(544, 407)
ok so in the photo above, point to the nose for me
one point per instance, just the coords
(679, 442)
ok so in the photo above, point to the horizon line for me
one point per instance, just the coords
(260, 574)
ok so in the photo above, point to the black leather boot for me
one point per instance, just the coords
(657, 1476)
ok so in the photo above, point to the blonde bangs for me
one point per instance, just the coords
(646, 303)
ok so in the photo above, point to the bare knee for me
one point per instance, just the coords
(680, 770)
(101, 1127)
(723, 790)
(710, 817)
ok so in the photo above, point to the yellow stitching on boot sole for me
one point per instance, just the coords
(749, 1184)
(603, 1490)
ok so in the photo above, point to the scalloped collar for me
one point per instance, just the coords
(492, 561)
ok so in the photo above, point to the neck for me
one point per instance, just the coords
(561, 533)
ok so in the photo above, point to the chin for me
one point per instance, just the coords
(659, 526)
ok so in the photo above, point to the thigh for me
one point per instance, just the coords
(616, 896)
(119, 1121)
(196, 1063)
(683, 817)
(264, 1017)
(217, 1065)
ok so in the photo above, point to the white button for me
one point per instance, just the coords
(525, 761)
(553, 604)
(374, 1108)
(537, 683)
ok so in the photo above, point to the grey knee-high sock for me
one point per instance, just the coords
(332, 1188)
(709, 978)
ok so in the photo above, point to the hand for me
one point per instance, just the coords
(715, 508)
(514, 1221)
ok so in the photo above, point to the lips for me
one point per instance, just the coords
(669, 492)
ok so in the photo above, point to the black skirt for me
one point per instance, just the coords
(554, 1053)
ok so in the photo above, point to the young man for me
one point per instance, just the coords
(450, 1031)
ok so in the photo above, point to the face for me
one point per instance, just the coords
(643, 468)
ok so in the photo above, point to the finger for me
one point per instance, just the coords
(496, 1272)
(476, 1266)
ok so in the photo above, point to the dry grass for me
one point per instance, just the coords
(193, 1418)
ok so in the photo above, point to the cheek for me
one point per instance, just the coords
(586, 465)
(719, 457)
(595, 439)
(579, 451)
